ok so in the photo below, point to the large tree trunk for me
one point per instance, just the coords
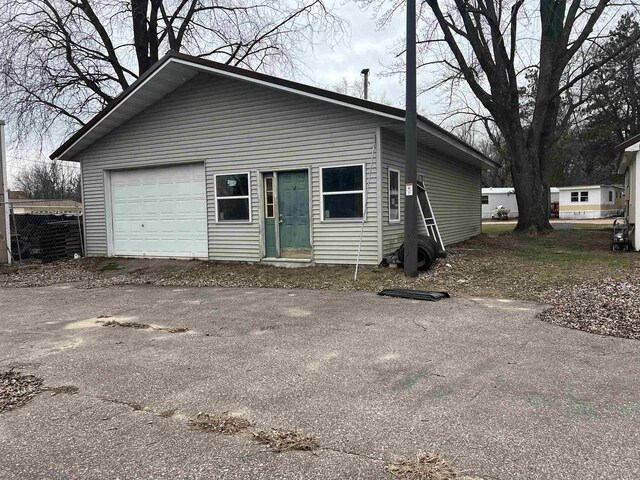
(531, 183)
(139, 10)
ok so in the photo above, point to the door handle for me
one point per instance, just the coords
(280, 220)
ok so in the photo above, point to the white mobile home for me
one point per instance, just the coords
(630, 168)
(591, 201)
(200, 159)
(493, 197)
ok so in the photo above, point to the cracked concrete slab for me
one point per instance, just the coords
(481, 381)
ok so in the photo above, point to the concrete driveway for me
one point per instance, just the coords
(493, 390)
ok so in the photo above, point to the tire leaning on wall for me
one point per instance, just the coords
(427, 252)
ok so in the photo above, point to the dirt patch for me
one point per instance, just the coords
(223, 423)
(143, 326)
(276, 439)
(115, 323)
(498, 264)
(606, 307)
(167, 413)
(109, 267)
(17, 389)
(283, 439)
(66, 389)
(173, 329)
(424, 466)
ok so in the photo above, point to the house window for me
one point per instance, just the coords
(394, 195)
(268, 194)
(342, 190)
(575, 196)
(485, 199)
(610, 196)
(584, 196)
(232, 197)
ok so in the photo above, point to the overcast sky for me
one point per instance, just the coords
(364, 47)
(367, 47)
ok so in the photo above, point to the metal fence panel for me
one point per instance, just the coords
(45, 237)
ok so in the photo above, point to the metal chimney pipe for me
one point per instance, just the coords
(365, 72)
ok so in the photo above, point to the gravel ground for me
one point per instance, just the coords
(606, 307)
(43, 275)
(565, 269)
(91, 273)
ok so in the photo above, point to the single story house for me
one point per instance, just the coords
(630, 168)
(591, 201)
(21, 204)
(198, 159)
(493, 197)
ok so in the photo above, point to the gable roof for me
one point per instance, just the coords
(628, 142)
(498, 190)
(626, 153)
(175, 69)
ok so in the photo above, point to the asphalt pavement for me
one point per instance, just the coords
(483, 382)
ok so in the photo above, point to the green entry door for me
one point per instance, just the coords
(293, 208)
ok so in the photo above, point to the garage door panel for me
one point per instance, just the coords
(160, 212)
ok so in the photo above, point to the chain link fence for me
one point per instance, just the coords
(45, 235)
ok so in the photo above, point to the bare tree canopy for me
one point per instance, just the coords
(49, 180)
(526, 65)
(63, 60)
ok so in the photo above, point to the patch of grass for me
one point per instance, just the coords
(497, 228)
(223, 423)
(111, 266)
(284, 439)
(424, 466)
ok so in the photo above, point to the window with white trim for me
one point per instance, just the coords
(233, 202)
(394, 195)
(484, 199)
(584, 196)
(575, 196)
(342, 192)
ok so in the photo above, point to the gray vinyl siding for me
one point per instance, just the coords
(232, 126)
(453, 188)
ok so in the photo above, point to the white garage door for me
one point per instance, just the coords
(159, 212)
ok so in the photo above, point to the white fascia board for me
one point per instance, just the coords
(122, 102)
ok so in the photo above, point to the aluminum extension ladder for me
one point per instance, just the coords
(429, 219)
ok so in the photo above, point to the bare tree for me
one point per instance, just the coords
(64, 60)
(526, 66)
(49, 180)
